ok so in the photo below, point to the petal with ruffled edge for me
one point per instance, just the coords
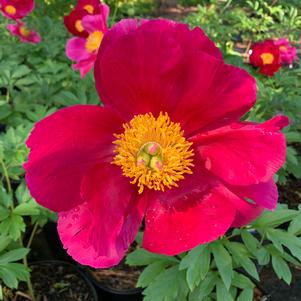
(213, 93)
(99, 232)
(76, 49)
(153, 68)
(170, 230)
(263, 194)
(245, 212)
(243, 154)
(94, 23)
(64, 146)
(151, 57)
(85, 66)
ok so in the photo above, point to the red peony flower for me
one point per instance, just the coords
(288, 53)
(73, 22)
(16, 9)
(266, 56)
(93, 7)
(167, 145)
(84, 50)
(25, 34)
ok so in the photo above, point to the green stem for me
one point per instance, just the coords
(261, 241)
(29, 284)
(25, 262)
(114, 13)
(5, 173)
(33, 232)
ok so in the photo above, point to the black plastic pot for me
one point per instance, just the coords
(77, 270)
(109, 294)
(105, 293)
(54, 243)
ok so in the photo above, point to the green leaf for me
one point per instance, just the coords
(143, 257)
(27, 209)
(22, 193)
(295, 226)
(4, 242)
(276, 218)
(293, 137)
(250, 241)
(168, 286)
(8, 277)
(4, 213)
(246, 295)
(197, 263)
(19, 269)
(205, 287)
(240, 253)
(13, 226)
(280, 237)
(274, 239)
(150, 273)
(13, 255)
(223, 262)
(241, 281)
(282, 269)
(222, 293)
(263, 256)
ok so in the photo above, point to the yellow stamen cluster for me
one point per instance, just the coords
(267, 58)
(153, 152)
(283, 49)
(11, 10)
(89, 9)
(93, 41)
(78, 25)
(25, 32)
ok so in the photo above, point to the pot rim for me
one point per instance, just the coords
(76, 268)
(131, 291)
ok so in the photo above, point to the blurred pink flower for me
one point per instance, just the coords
(25, 34)
(84, 50)
(16, 9)
(288, 53)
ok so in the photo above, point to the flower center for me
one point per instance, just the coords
(153, 152)
(24, 31)
(93, 41)
(267, 58)
(89, 8)
(283, 49)
(9, 9)
(78, 25)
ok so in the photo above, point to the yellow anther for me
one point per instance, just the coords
(153, 152)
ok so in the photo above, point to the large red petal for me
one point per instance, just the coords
(212, 93)
(243, 154)
(142, 69)
(64, 146)
(171, 231)
(99, 232)
(263, 194)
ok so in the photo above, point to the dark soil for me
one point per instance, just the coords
(278, 290)
(290, 193)
(177, 13)
(121, 277)
(58, 282)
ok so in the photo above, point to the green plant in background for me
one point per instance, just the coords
(229, 21)
(227, 269)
